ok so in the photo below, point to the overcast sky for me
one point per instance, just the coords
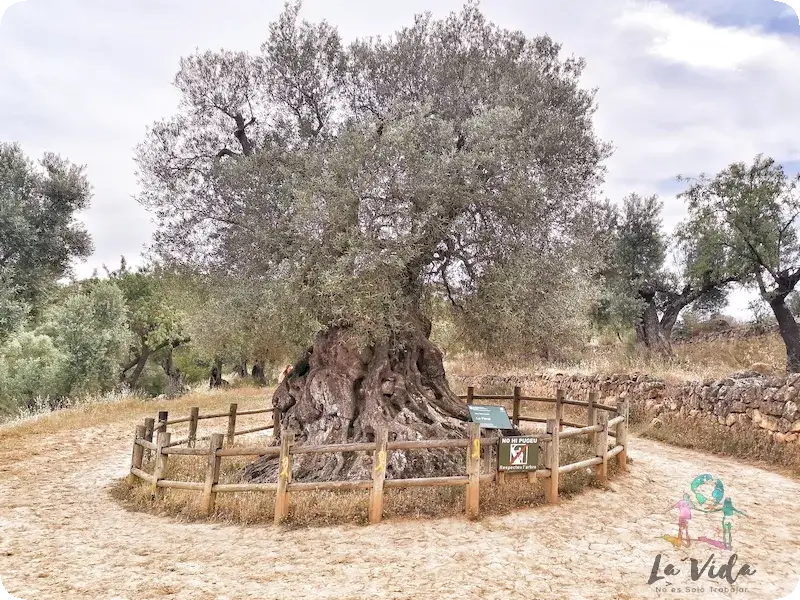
(685, 86)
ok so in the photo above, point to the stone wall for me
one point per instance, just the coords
(734, 333)
(749, 399)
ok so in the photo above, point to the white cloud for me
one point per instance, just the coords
(695, 44)
(677, 93)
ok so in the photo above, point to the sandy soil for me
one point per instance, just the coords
(62, 536)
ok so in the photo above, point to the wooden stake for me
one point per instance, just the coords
(149, 424)
(486, 458)
(623, 409)
(547, 452)
(212, 474)
(284, 477)
(193, 414)
(276, 422)
(559, 416)
(162, 419)
(138, 453)
(551, 484)
(378, 476)
(474, 471)
(231, 424)
(591, 417)
(515, 413)
(601, 470)
(470, 394)
(162, 440)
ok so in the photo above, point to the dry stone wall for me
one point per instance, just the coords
(734, 333)
(750, 399)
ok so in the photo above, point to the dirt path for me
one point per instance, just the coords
(62, 536)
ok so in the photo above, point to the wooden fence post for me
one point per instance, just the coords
(193, 415)
(559, 416)
(231, 424)
(515, 410)
(470, 394)
(162, 440)
(138, 453)
(378, 476)
(284, 477)
(601, 470)
(591, 417)
(486, 460)
(623, 409)
(474, 471)
(551, 484)
(212, 474)
(163, 416)
(149, 424)
(276, 422)
(547, 451)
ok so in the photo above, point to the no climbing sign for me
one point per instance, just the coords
(518, 454)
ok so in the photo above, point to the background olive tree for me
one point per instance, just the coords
(39, 234)
(642, 290)
(750, 211)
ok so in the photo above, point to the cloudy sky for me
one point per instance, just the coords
(684, 86)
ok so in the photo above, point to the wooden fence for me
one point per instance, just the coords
(599, 428)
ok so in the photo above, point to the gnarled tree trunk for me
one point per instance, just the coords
(258, 373)
(790, 332)
(648, 327)
(342, 393)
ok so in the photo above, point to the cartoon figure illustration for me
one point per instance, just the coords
(684, 514)
(728, 515)
(684, 506)
(707, 495)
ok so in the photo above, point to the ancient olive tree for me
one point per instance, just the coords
(358, 180)
(39, 235)
(751, 212)
(642, 289)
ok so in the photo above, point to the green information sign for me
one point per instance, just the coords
(518, 454)
(490, 417)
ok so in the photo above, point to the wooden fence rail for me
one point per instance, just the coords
(598, 430)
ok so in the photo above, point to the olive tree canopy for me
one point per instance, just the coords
(360, 178)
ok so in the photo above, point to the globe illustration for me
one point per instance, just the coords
(708, 491)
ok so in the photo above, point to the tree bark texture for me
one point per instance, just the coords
(340, 393)
(790, 333)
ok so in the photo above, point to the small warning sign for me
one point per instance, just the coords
(518, 454)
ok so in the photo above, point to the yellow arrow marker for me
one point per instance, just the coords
(381, 466)
(476, 449)
(285, 467)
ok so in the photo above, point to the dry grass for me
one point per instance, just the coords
(322, 508)
(743, 443)
(693, 361)
(736, 354)
(112, 409)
